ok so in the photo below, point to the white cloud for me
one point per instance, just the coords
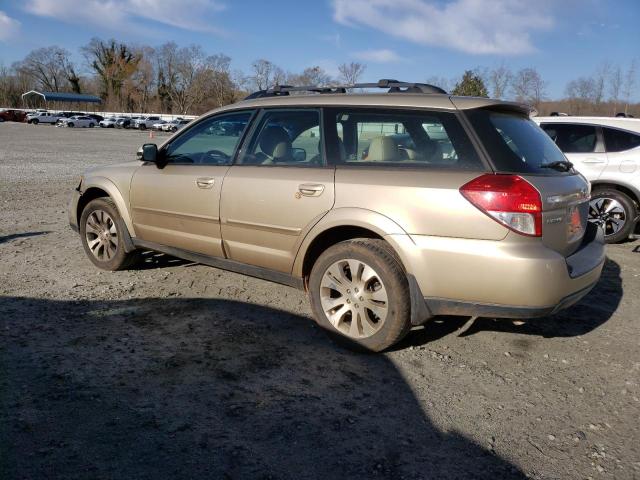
(379, 56)
(471, 26)
(125, 14)
(9, 27)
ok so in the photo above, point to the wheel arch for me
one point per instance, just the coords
(632, 192)
(97, 187)
(339, 225)
(346, 223)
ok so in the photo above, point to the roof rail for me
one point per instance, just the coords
(394, 86)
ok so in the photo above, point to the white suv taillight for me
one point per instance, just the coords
(509, 200)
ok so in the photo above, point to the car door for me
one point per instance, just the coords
(582, 145)
(279, 187)
(179, 205)
(623, 154)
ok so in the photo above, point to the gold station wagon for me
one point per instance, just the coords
(387, 208)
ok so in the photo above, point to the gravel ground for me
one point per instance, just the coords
(177, 370)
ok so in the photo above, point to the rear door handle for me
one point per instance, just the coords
(594, 160)
(205, 182)
(311, 189)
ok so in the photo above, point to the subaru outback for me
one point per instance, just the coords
(387, 208)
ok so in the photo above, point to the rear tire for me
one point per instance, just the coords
(102, 233)
(368, 309)
(615, 211)
(91, 125)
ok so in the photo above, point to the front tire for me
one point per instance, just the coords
(360, 294)
(614, 211)
(91, 125)
(70, 125)
(101, 231)
(35, 121)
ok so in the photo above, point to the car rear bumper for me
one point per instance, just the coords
(508, 279)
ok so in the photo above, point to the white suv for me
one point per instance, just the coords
(146, 122)
(606, 150)
(42, 117)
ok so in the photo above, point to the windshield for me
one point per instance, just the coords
(515, 143)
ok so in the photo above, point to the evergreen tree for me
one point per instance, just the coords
(471, 85)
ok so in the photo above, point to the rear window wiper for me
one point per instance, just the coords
(560, 165)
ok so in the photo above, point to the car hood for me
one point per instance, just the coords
(110, 171)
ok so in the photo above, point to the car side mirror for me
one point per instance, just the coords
(299, 154)
(148, 153)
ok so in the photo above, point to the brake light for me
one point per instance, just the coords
(509, 200)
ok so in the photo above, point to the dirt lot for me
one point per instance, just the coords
(178, 370)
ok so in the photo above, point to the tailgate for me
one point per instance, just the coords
(565, 210)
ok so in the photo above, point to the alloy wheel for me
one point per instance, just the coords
(101, 235)
(354, 298)
(609, 213)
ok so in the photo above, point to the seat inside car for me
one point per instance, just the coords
(275, 145)
(383, 149)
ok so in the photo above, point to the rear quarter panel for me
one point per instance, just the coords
(420, 201)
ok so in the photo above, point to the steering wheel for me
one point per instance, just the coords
(218, 154)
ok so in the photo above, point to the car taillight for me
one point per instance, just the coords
(509, 200)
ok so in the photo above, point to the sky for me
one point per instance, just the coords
(409, 40)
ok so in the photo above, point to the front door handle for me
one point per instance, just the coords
(311, 189)
(205, 182)
(594, 160)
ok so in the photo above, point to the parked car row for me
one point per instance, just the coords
(90, 120)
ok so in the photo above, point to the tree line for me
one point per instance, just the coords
(186, 80)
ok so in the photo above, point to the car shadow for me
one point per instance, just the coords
(151, 260)
(13, 236)
(206, 388)
(592, 311)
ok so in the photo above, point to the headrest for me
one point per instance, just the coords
(383, 149)
(275, 141)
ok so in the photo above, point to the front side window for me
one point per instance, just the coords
(572, 138)
(286, 137)
(205, 143)
(618, 140)
(401, 138)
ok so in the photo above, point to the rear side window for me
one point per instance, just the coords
(572, 138)
(515, 143)
(403, 139)
(618, 140)
(286, 138)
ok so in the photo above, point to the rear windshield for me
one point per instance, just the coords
(515, 143)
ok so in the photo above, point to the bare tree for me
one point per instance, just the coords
(266, 74)
(528, 86)
(310, 76)
(599, 82)
(350, 73)
(629, 84)
(51, 69)
(221, 86)
(615, 87)
(581, 93)
(442, 82)
(498, 80)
